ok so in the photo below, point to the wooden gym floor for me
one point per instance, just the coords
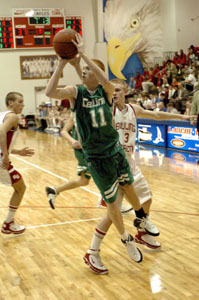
(46, 261)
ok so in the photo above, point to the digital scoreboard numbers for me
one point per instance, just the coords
(6, 33)
(36, 28)
(39, 21)
(74, 23)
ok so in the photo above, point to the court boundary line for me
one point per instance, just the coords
(103, 208)
(64, 179)
(53, 174)
(62, 223)
(86, 189)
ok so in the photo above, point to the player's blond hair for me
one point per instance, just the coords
(99, 63)
(121, 82)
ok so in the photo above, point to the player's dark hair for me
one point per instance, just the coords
(12, 96)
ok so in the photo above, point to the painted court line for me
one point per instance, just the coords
(24, 169)
(53, 174)
(64, 179)
(61, 223)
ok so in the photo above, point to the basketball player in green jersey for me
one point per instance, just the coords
(105, 157)
(70, 134)
(83, 172)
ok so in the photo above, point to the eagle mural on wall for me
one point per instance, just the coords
(133, 33)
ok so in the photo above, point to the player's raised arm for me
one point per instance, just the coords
(75, 62)
(52, 89)
(158, 115)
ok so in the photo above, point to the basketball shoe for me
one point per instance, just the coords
(93, 260)
(51, 194)
(133, 251)
(146, 224)
(142, 237)
(12, 227)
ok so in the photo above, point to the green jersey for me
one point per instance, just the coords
(94, 123)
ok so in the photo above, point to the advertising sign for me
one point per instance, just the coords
(151, 134)
(182, 138)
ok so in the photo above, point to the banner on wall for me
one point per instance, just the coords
(151, 134)
(182, 138)
(132, 30)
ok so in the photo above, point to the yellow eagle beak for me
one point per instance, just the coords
(119, 52)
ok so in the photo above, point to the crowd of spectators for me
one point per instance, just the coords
(51, 118)
(169, 86)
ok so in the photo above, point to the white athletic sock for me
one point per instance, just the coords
(97, 239)
(124, 236)
(11, 213)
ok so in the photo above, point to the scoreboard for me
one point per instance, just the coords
(74, 23)
(6, 33)
(35, 27)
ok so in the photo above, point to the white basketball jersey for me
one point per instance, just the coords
(126, 126)
(11, 134)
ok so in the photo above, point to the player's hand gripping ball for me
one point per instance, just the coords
(63, 44)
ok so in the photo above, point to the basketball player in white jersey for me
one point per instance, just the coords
(8, 174)
(126, 124)
(124, 116)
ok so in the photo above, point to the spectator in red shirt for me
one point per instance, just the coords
(176, 58)
(138, 81)
(156, 69)
(195, 49)
(182, 58)
(146, 73)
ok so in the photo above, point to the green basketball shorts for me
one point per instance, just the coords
(108, 173)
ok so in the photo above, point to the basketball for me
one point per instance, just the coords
(63, 44)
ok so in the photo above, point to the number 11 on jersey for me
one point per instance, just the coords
(102, 118)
